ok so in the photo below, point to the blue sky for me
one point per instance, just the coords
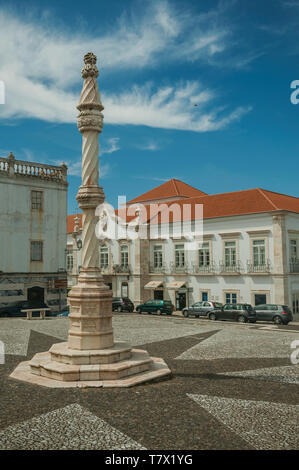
(234, 59)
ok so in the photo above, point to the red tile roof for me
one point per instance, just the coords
(250, 201)
(170, 189)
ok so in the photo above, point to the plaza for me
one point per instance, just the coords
(232, 387)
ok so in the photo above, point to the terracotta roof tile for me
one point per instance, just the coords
(170, 189)
(250, 201)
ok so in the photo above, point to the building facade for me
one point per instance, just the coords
(33, 232)
(248, 250)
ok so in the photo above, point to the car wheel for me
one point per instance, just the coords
(169, 313)
(186, 313)
(241, 319)
(277, 320)
(138, 310)
(212, 316)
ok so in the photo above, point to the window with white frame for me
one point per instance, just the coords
(230, 253)
(36, 251)
(204, 254)
(179, 256)
(258, 252)
(124, 255)
(104, 256)
(69, 261)
(293, 250)
(231, 298)
(158, 256)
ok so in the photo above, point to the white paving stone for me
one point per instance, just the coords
(72, 427)
(235, 342)
(285, 374)
(264, 425)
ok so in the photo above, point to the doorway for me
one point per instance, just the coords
(158, 294)
(180, 300)
(36, 295)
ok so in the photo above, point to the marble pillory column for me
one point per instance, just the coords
(90, 357)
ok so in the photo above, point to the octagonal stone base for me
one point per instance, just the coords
(119, 366)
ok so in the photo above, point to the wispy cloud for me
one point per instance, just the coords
(151, 146)
(42, 84)
(111, 146)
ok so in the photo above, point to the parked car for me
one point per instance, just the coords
(279, 314)
(14, 309)
(121, 304)
(235, 312)
(156, 306)
(201, 308)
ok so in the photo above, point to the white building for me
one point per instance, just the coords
(248, 252)
(33, 210)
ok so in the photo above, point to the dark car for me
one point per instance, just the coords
(279, 314)
(121, 304)
(201, 308)
(234, 312)
(14, 309)
(156, 306)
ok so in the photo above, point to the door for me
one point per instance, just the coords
(227, 313)
(196, 308)
(206, 307)
(158, 294)
(36, 295)
(180, 300)
(262, 312)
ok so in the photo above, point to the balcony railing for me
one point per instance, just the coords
(258, 267)
(179, 268)
(230, 267)
(157, 269)
(122, 268)
(11, 166)
(294, 265)
(105, 269)
(204, 269)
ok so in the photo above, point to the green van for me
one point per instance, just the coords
(156, 306)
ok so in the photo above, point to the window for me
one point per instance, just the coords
(36, 251)
(69, 261)
(104, 257)
(230, 298)
(158, 256)
(204, 255)
(124, 255)
(230, 253)
(295, 302)
(204, 296)
(258, 252)
(293, 250)
(124, 289)
(179, 256)
(260, 299)
(36, 200)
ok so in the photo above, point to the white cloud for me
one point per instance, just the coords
(40, 64)
(112, 146)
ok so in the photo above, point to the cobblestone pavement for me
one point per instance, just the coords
(233, 386)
